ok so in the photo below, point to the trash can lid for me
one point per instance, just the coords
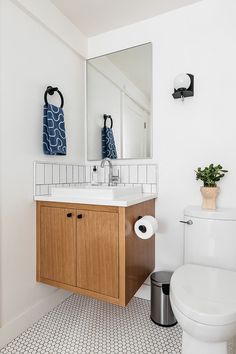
(161, 278)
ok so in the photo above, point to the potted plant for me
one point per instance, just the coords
(210, 175)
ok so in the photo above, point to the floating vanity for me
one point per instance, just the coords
(86, 241)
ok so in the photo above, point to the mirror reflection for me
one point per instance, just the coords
(119, 118)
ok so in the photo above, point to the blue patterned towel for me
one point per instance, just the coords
(108, 144)
(54, 136)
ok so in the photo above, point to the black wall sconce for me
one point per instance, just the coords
(183, 86)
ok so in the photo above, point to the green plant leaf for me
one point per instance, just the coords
(210, 174)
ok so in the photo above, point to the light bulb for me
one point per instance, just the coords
(182, 81)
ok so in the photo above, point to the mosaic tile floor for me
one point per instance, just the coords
(84, 325)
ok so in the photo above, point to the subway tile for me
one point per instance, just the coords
(50, 188)
(124, 174)
(106, 174)
(44, 189)
(142, 175)
(81, 174)
(55, 174)
(69, 174)
(75, 174)
(48, 174)
(133, 176)
(62, 173)
(151, 174)
(147, 188)
(154, 188)
(40, 173)
(101, 177)
(87, 174)
(116, 172)
(37, 190)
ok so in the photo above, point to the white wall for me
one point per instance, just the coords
(198, 39)
(31, 58)
(49, 16)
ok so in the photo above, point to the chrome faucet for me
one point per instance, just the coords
(113, 180)
(110, 175)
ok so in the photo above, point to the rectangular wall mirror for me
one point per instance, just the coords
(119, 114)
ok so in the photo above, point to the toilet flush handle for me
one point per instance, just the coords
(189, 222)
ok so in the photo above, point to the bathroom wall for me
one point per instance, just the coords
(198, 39)
(31, 58)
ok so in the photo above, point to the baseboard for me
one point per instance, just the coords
(144, 292)
(19, 324)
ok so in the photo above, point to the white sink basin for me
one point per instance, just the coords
(96, 192)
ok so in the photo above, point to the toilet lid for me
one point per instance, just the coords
(205, 294)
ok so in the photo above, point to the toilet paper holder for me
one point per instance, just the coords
(145, 226)
(141, 228)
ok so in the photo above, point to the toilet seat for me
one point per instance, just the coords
(204, 294)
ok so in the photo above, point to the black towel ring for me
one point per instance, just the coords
(106, 116)
(50, 90)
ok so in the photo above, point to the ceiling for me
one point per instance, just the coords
(96, 16)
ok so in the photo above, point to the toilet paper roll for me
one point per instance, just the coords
(146, 227)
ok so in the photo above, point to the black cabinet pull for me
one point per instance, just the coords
(79, 216)
(69, 215)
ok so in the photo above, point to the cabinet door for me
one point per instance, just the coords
(97, 252)
(58, 244)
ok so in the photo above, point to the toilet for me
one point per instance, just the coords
(203, 290)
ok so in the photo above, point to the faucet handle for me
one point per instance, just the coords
(115, 178)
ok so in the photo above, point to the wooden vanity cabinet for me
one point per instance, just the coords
(57, 245)
(93, 249)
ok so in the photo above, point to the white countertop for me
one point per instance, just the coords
(121, 201)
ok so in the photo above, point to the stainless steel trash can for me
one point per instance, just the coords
(161, 311)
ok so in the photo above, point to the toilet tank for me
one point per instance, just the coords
(211, 238)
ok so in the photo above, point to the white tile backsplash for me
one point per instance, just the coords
(81, 174)
(154, 188)
(124, 174)
(48, 175)
(39, 173)
(37, 190)
(151, 174)
(133, 173)
(147, 188)
(142, 174)
(69, 174)
(44, 190)
(116, 172)
(87, 174)
(75, 174)
(55, 174)
(62, 173)
(101, 176)
(106, 174)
